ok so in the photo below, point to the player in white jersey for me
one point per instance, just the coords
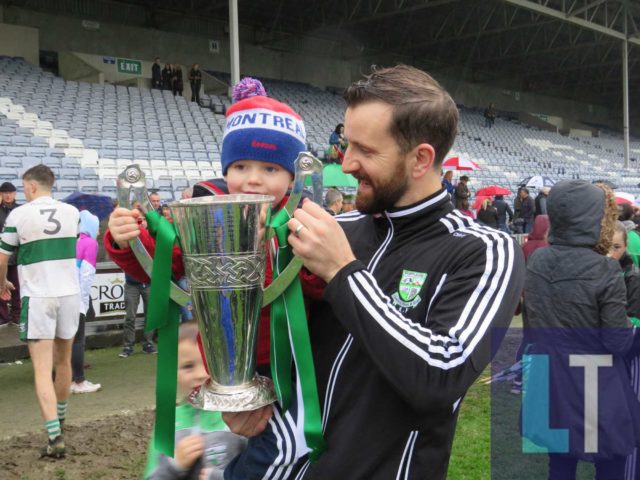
(44, 233)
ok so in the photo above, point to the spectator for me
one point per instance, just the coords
(576, 303)
(133, 290)
(464, 209)
(488, 214)
(348, 203)
(503, 210)
(337, 144)
(333, 201)
(178, 84)
(86, 256)
(541, 201)
(167, 77)
(489, 116)
(447, 183)
(156, 203)
(625, 215)
(156, 75)
(462, 192)
(9, 310)
(527, 210)
(195, 80)
(166, 212)
(517, 204)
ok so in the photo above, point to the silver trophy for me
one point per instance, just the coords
(224, 260)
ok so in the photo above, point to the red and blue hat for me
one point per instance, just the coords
(261, 128)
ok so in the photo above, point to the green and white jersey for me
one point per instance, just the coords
(44, 231)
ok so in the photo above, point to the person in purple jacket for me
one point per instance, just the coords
(86, 255)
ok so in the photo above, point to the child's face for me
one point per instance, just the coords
(191, 371)
(618, 247)
(253, 176)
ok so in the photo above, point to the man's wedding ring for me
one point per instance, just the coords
(297, 230)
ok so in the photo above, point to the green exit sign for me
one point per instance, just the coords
(132, 67)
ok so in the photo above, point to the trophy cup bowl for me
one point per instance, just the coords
(224, 260)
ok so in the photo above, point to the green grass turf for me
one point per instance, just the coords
(128, 384)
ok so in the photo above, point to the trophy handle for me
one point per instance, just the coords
(306, 165)
(131, 183)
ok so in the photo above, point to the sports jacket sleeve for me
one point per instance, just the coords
(432, 363)
(127, 261)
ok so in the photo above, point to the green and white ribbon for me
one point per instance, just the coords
(163, 315)
(290, 341)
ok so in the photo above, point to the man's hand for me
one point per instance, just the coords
(188, 450)
(319, 241)
(5, 290)
(248, 424)
(124, 225)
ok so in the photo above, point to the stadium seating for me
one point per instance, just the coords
(88, 132)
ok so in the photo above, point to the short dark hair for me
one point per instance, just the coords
(464, 178)
(40, 174)
(626, 212)
(423, 111)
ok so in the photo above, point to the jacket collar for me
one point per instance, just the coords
(425, 212)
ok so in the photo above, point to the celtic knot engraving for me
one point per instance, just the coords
(215, 272)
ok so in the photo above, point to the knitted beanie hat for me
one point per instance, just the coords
(261, 128)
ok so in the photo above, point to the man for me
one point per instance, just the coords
(489, 116)
(527, 210)
(8, 196)
(156, 203)
(504, 210)
(156, 75)
(44, 233)
(195, 80)
(333, 201)
(541, 201)
(415, 292)
(347, 204)
(187, 193)
(462, 192)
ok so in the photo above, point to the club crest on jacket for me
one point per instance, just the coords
(410, 285)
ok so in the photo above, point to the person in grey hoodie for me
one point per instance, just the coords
(576, 305)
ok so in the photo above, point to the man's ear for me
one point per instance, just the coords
(424, 160)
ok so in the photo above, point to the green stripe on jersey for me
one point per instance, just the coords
(9, 230)
(47, 249)
(7, 246)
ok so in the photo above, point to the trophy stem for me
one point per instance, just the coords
(238, 398)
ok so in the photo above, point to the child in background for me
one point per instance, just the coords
(204, 446)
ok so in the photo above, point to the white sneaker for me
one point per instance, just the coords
(85, 387)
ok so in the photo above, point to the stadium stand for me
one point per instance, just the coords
(88, 132)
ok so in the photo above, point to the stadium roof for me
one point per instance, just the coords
(570, 48)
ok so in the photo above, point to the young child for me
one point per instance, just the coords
(262, 140)
(204, 446)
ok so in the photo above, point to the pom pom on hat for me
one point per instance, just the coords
(261, 128)
(248, 87)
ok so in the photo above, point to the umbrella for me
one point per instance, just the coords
(333, 176)
(477, 203)
(492, 190)
(100, 205)
(537, 181)
(624, 197)
(460, 164)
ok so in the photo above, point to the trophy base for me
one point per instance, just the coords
(215, 397)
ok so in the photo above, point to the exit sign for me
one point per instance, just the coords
(132, 67)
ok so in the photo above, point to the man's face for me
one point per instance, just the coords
(523, 194)
(337, 206)
(374, 158)
(154, 198)
(347, 207)
(8, 197)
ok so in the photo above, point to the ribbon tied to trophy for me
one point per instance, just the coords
(223, 239)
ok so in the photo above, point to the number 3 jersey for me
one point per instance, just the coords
(44, 233)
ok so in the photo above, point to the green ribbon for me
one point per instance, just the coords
(163, 315)
(290, 340)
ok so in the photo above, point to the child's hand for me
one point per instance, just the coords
(188, 450)
(124, 225)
